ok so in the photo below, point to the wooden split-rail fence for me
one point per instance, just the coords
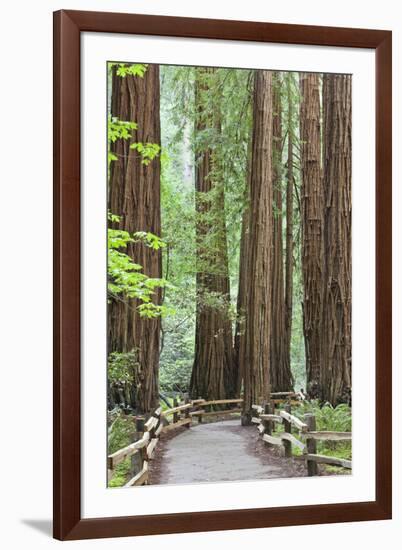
(148, 432)
(298, 433)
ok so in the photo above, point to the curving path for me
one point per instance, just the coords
(220, 451)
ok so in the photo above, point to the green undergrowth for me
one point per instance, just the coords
(121, 434)
(121, 474)
(328, 418)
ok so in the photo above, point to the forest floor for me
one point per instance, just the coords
(219, 451)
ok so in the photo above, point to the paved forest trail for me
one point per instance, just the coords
(220, 451)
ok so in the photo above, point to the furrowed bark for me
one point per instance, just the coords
(336, 353)
(213, 375)
(312, 227)
(241, 300)
(243, 285)
(281, 375)
(289, 222)
(259, 254)
(134, 194)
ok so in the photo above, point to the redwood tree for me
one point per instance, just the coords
(281, 375)
(289, 217)
(213, 375)
(243, 283)
(336, 326)
(242, 292)
(312, 226)
(259, 255)
(134, 195)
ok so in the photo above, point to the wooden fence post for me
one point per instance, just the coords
(311, 444)
(268, 408)
(139, 426)
(255, 413)
(175, 415)
(267, 423)
(200, 415)
(187, 412)
(287, 445)
(137, 458)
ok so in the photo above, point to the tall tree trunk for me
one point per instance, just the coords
(312, 226)
(336, 348)
(213, 374)
(289, 221)
(239, 338)
(259, 253)
(243, 283)
(134, 194)
(281, 376)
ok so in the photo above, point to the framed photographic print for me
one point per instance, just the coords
(222, 306)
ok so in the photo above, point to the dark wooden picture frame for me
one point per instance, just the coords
(68, 26)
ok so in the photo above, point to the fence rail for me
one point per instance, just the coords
(150, 429)
(265, 418)
(141, 451)
(163, 421)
